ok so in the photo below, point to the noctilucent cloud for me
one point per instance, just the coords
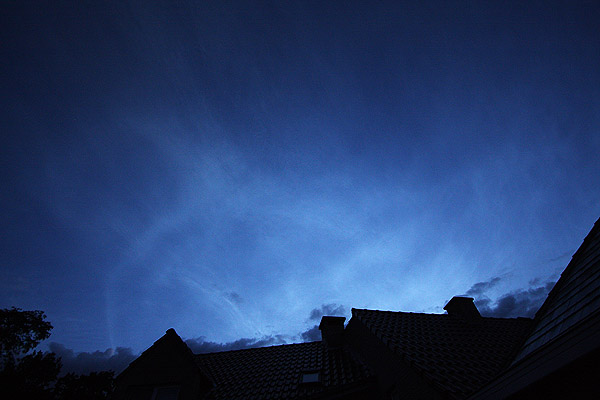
(235, 170)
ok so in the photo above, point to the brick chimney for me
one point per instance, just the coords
(332, 330)
(462, 307)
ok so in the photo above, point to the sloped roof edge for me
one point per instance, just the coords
(568, 270)
(174, 339)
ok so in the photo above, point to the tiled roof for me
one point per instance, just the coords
(562, 348)
(275, 372)
(575, 296)
(457, 355)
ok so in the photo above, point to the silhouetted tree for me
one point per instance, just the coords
(21, 331)
(25, 373)
(95, 386)
(30, 375)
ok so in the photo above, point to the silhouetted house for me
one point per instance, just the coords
(166, 370)
(315, 370)
(435, 356)
(393, 355)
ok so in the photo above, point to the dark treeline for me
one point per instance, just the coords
(29, 373)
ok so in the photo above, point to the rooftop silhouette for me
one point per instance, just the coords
(392, 354)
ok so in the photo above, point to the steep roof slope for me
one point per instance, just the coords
(276, 372)
(565, 340)
(456, 354)
(575, 297)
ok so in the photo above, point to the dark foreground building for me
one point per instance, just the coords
(398, 355)
(561, 356)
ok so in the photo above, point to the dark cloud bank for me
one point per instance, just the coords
(199, 345)
(327, 309)
(313, 334)
(84, 362)
(520, 303)
(118, 360)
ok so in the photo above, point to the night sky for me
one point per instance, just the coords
(235, 170)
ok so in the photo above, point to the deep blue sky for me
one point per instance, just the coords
(235, 170)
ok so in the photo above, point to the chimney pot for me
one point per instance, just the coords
(332, 330)
(463, 307)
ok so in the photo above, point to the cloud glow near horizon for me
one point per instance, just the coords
(226, 172)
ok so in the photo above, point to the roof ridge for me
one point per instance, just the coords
(396, 312)
(434, 314)
(419, 352)
(255, 348)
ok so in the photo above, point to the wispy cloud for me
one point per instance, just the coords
(288, 166)
(560, 257)
(201, 345)
(118, 359)
(234, 297)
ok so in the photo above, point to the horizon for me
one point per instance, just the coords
(236, 171)
(517, 304)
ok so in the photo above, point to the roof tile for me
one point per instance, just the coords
(457, 355)
(274, 372)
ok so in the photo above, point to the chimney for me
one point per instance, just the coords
(332, 330)
(462, 307)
